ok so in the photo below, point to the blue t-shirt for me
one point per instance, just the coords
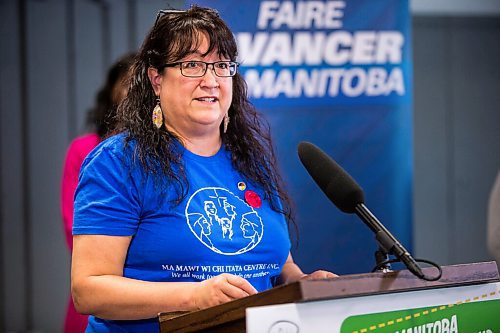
(216, 228)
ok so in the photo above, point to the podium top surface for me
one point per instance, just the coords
(341, 287)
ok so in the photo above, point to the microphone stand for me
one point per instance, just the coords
(382, 260)
(387, 242)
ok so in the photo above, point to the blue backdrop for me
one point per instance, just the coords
(337, 74)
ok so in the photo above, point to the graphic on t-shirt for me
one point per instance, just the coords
(223, 222)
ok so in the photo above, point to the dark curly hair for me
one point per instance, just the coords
(175, 35)
(101, 117)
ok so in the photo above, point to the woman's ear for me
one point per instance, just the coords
(155, 79)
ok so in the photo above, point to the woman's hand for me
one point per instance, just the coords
(318, 275)
(221, 289)
(291, 273)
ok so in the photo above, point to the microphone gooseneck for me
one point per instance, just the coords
(387, 241)
(348, 196)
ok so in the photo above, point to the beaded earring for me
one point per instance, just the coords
(226, 122)
(157, 114)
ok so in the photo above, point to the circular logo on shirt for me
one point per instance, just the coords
(223, 222)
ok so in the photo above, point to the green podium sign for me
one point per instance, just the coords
(471, 309)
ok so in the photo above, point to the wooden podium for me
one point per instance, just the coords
(231, 317)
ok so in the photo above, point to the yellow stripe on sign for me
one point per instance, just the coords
(425, 312)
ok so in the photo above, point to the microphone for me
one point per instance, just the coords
(349, 197)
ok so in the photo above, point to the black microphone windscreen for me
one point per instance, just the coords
(335, 182)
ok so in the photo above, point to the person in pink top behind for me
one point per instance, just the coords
(101, 119)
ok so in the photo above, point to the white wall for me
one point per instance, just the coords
(455, 7)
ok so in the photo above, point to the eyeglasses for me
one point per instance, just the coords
(199, 68)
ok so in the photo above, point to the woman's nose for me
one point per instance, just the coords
(210, 78)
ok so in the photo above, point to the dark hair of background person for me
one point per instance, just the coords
(101, 117)
(175, 35)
